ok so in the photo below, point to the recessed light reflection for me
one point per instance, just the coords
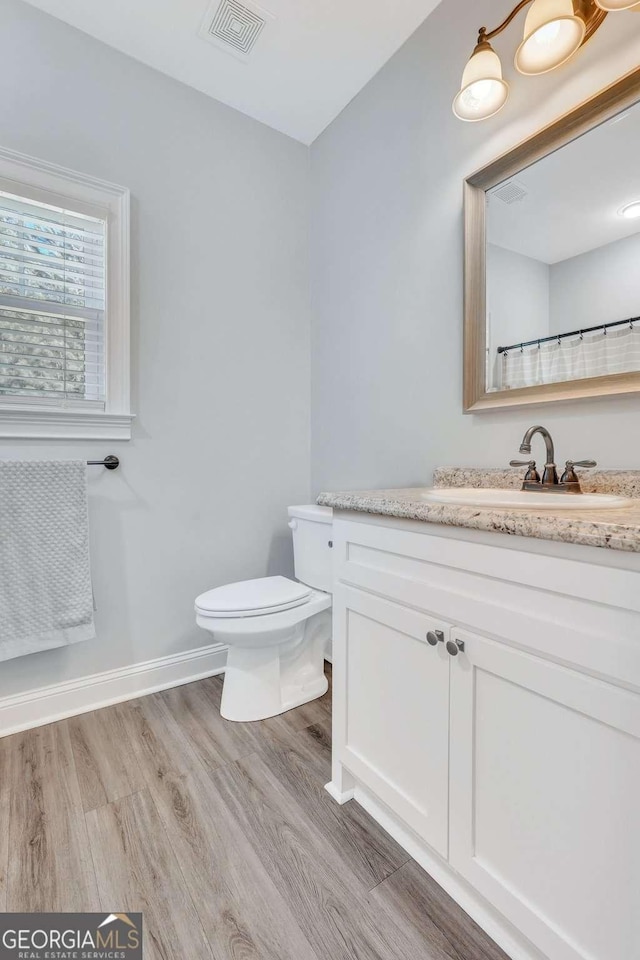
(631, 211)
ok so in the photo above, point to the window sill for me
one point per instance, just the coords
(29, 423)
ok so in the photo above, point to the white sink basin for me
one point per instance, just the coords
(485, 497)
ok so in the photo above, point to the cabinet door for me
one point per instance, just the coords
(545, 786)
(396, 717)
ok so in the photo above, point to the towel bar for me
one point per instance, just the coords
(110, 462)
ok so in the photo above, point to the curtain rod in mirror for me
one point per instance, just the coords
(571, 333)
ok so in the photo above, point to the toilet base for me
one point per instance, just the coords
(264, 681)
(231, 710)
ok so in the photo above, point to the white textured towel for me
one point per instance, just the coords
(45, 581)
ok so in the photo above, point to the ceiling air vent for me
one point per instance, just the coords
(234, 27)
(510, 192)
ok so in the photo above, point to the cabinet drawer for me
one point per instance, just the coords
(572, 612)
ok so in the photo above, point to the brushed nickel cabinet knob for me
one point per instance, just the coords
(434, 637)
(454, 647)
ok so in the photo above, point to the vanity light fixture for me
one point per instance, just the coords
(631, 211)
(553, 31)
(611, 6)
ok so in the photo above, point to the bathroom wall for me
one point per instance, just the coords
(596, 287)
(220, 321)
(387, 261)
(517, 300)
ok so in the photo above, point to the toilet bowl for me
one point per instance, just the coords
(276, 629)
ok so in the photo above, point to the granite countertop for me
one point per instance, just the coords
(615, 529)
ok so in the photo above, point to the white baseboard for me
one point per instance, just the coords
(60, 700)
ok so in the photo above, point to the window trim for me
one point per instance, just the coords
(45, 418)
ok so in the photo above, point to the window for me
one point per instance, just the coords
(64, 311)
(52, 302)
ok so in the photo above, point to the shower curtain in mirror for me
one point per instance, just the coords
(571, 358)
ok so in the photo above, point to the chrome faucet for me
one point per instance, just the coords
(568, 483)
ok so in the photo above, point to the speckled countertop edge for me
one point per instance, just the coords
(617, 529)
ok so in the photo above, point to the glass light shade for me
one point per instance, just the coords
(611, 6)
(483, 91)
(552, 34)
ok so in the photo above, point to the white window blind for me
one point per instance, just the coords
(52, 303)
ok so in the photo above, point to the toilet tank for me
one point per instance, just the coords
(311, 526)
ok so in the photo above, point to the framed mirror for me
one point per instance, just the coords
(552, 260)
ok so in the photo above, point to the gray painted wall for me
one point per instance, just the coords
(517, 301)
(387, 262)
(596, 287)
(220, 318)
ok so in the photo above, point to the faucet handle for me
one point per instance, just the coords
(569, 475)
(532, 475)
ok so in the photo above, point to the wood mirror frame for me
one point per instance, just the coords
(621, 95)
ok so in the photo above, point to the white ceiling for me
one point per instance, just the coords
(307, 64)
(574, 195)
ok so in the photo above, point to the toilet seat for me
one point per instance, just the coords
(252, 598)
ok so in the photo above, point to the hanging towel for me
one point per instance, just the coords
(45, 582)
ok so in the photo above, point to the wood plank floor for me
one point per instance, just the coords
(220, 833)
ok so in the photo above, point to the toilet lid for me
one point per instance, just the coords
(251, 598)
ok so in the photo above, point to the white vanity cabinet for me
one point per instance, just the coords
(511, 769)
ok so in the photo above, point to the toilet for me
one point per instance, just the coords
(276, 629)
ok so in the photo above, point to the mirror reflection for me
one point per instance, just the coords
(563, 262)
